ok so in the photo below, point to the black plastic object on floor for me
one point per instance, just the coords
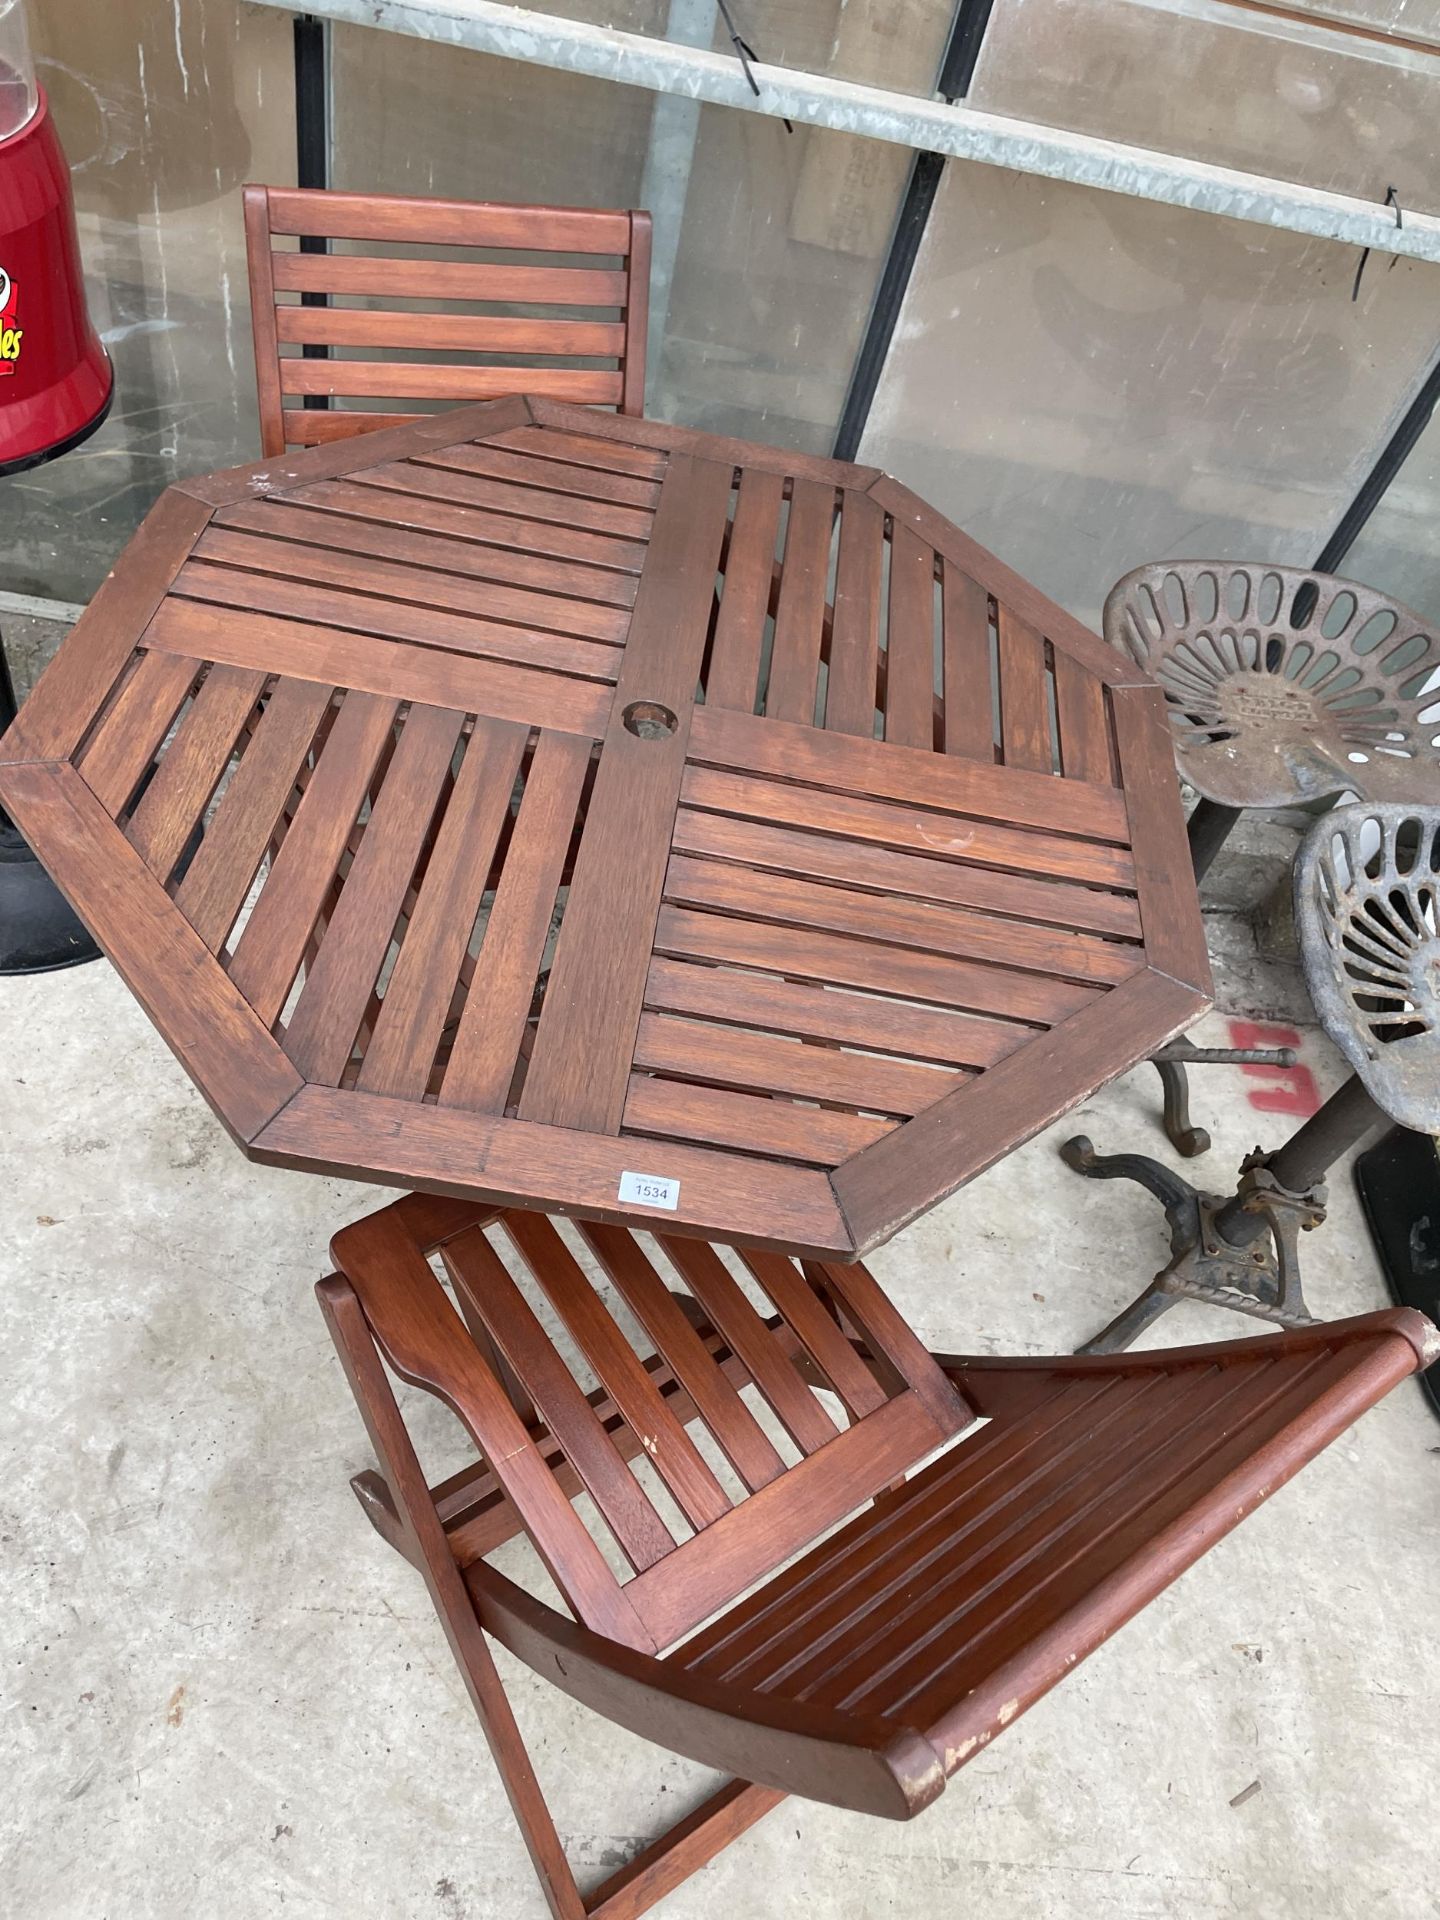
(38, 932)
(1399, 1183)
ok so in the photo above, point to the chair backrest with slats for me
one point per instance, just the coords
(381, 299)
(761, 1403)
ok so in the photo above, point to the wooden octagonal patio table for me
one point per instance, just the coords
(585, 813)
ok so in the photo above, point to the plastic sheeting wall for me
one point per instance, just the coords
(1085, 381)
(164, 112)
(1277, 96)
(1081, 379)
(1399, 549)
(768, 244)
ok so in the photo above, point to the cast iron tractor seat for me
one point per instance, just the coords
(1283, 686)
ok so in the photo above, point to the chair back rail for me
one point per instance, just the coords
(547, 300)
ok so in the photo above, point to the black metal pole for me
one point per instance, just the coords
(914, 216)
(957, 69)
(312, 152)
(1344, 1120)
(1373, 487)
(312, 107)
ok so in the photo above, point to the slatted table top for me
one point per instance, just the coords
(587, 813)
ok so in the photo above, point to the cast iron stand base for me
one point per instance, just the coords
(1219, 1249)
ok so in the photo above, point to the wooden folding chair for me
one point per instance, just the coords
(476, 306)
(971, 1565)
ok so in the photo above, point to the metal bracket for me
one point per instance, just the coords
(1261, 1279)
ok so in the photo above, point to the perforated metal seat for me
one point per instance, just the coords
(1367, 904)
(1283, 684)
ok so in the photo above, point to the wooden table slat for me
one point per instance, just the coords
(219, 877)
(859, 818)
(800, 610)
(371, 665)
(852, 684)
(910, 643)
(396, 504)
(748, 1122)
(357, 524)
(968, 670)
(418, 995)
(502, 988)
(418, 624)
(875, 1022)
(1086, 741)
(885, 771)
(122, 748)
(434, 475)
(721, 1056)
(267, 956)
(1024, 698)
(584, 450)
(924, 924)
(734, 676)
(544, 613)
(529, 470)
(584, 530)
(165, 816)
(861, 863)
(340, 980)
(834, 960)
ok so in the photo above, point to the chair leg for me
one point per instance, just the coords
(356, 1348)
(399, 1505)
(694, 1841)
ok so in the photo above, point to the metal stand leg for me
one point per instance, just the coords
(1172, 1062)
(1175, 1085)
(1208, 829)
(38, 932)
(1240, 1251)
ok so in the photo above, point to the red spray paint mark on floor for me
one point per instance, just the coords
(1286, 1089)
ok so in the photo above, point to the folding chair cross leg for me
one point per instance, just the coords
(852, 1562)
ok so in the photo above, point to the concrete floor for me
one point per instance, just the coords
(224, 1697)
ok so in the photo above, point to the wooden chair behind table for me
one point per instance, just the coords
(418, 308)
(953, 1591)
